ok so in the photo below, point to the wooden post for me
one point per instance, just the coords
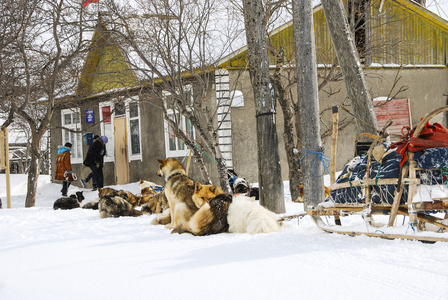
(308, 102)
(397, 197)
(334, 144)
(4, 162)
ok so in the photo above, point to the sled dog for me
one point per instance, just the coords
(240, 186)
(128, 196)
(147, 188)
(300, 198)
(116, 206)
(71, 202)
(179, 189)
(153, 201)
(245, 215)
(211, 218)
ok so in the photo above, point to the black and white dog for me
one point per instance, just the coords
(74, 201)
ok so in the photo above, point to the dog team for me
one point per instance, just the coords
(183, 205)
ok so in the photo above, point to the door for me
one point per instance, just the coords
(121, 151)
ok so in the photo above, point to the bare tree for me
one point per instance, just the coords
(348, 58)
(269, 169)
(48, 39)
(174, 47)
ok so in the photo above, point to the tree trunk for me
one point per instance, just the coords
(295, 175)
(269, 169)
(348, 57)
(308, 102)
(33, 174)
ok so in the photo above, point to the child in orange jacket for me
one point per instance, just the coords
(64, 167)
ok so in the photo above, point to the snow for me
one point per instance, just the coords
(74, 254)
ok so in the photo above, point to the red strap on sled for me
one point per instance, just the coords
(431, 136)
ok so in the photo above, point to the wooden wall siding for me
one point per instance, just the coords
(397, 110)
(324, 44)
(400, 34)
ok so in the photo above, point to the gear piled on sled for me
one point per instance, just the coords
(408, 178)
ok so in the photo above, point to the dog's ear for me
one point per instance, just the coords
(197, 187)
(162, 162)
(213, 189)
(141, 181)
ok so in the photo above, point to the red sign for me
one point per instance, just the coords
(105, 110)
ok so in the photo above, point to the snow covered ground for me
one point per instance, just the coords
(47, 254)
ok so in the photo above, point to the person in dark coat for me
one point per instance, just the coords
(64, 167)
(95, 160)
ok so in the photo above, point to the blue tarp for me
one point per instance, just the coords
(432, 158)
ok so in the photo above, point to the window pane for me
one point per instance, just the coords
(135, 137)
(172, 139)
(180, 145)
(189, 129)
(67, 119)
(133, 110)
(108, 131)
(78, 148)
(76, 119)
(120, 109)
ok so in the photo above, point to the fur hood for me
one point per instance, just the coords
(62, 149)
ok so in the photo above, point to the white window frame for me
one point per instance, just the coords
(110, 154)
(138, 156)
(111, 139)
(167, 129)
(75, 138)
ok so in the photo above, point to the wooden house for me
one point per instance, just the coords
(402, 45)
(403, 50)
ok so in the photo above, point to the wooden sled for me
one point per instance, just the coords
(426, 221)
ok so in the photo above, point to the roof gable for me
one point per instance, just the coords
(105, 67)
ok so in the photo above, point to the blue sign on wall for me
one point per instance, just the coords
(89, 116)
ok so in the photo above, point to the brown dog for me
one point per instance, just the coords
(179, 190)
(115, 206)
(211, 218)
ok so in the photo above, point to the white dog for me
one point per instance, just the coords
(245, 215)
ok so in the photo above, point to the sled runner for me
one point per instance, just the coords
(405, 188)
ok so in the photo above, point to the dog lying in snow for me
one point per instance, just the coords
(116, 206)
(224, 213)
(245, 215)
(211, 218)
(154, 202)
(71, 202)
(128, 196)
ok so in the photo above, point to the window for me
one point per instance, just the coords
(107, 129)
(71, 119)
(129, 109)
(174, 146)
(134, 128)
